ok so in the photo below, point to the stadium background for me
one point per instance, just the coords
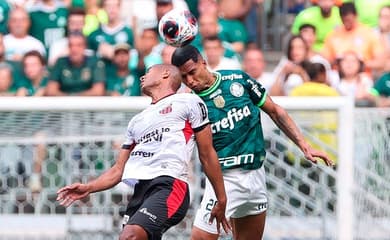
(80, 140)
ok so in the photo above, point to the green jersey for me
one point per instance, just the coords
(4, 12)
(32, 89)
(121, 34)
(48, 24)
(233, 103)
(74, 79)
(129, 85)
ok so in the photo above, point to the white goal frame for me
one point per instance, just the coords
(345, 131)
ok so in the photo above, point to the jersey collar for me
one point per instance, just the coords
(213, 87)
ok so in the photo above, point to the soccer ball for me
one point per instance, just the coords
(178, 27)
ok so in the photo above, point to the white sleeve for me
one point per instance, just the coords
(198, 114)
(129, 137)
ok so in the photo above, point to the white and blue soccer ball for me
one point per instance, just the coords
(178, 27)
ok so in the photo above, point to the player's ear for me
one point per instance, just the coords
(166, 73)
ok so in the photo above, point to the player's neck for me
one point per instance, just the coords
(211, 80)
(158, 95)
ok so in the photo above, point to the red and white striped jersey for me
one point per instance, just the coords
(164, 137)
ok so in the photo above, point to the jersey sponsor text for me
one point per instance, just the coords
(233, 115)
(232, 161)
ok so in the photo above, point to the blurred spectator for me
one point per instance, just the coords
(208, 27)
(35, 73)
(213, 52)
(234, 9)
(4, 11)
(48, 21)
(318, 84)
(381, 91)
(356, 37)
(108, 35)
(295, 6)
(353, 81)
(254, 64)
(147, 52)
(120, 80)
(324, 17)
(15, 66)
(59, 48)
(383, 29)
(308, 33)
(95, 16)
(322, 131)
(251, 24)
(166, 54)
(336, 2)
(289, 72)
(368, 10)
(77, 74)
(18, 42)
(229, 31)
(162, 7)
(6, 88)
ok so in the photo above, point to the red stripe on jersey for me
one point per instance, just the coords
(176, 197)
(188, 132)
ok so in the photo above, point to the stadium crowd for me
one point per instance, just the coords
(101, 48)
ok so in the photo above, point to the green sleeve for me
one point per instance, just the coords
(256, 91)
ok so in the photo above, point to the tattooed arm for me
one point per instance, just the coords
(288, 126)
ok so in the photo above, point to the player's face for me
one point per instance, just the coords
(150, 79)
(195, 75)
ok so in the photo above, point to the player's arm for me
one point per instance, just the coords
(288, 126)
(212, 169)
(68, 194)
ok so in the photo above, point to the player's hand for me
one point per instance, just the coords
(218, 213)
(67, 195)
(312, 154)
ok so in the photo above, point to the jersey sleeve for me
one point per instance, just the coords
(129, 137)
(198, 114)
(256, 91)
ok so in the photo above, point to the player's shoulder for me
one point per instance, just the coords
(231, 74)
(186, 97)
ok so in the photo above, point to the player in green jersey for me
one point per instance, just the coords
(234, 100)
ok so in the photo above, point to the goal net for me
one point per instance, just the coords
(76, 138)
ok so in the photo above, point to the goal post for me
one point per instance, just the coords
(81, 136)
(345, 135)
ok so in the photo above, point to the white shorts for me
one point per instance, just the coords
(246, 195)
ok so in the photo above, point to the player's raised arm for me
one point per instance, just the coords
(212, 169)
(288, 126)
(68, 194)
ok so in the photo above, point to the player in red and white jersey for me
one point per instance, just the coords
(164, 137)
(155, 158)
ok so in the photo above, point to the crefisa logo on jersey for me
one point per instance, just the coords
(236, 89)
(219, 101)
(166, 110)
